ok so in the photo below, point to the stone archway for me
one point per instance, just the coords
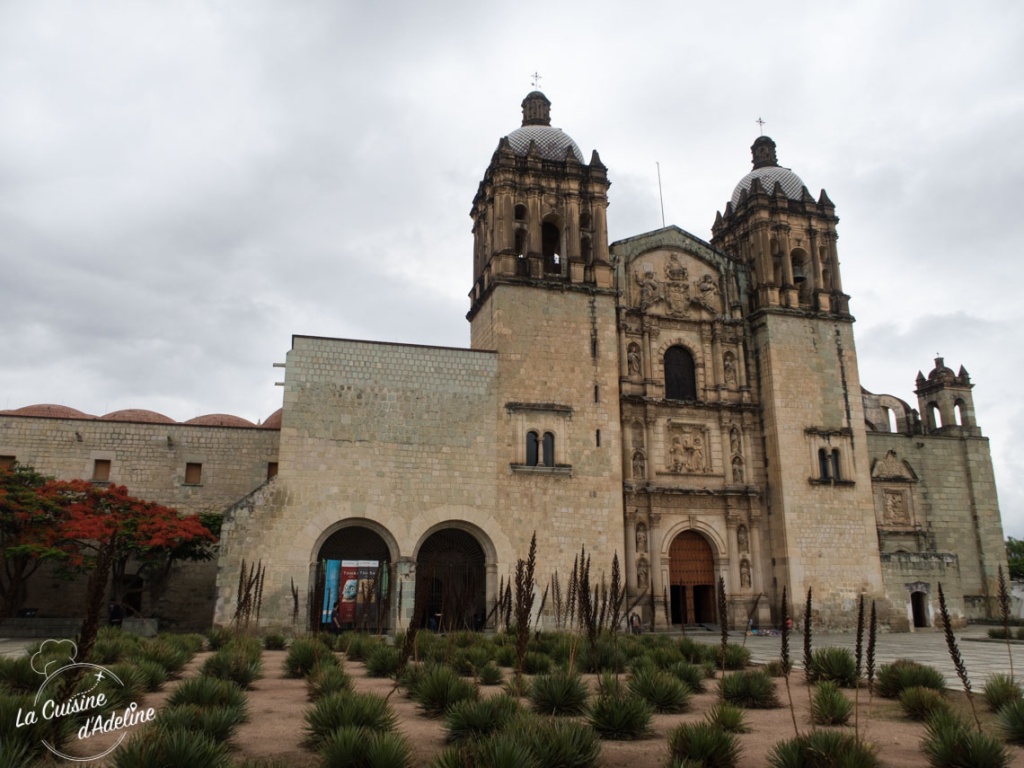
(692, 580)
(351, 578)
(451, 581)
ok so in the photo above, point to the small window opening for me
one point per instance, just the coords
(597, 393)
(597, 437)
(550, 241)
(958, 413)
(584, 221)
(836, 474)
(823, 467)
(271, 469)
(890, 418)
(532, 446)
(585, 252)
(936, 415)
(101, 471)
(6, 462)
(520, 213)
(520, 243)
(549, 449)
(680, 374)
(193, 473)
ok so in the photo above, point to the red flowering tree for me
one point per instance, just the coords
(29, 533)
(103, 529)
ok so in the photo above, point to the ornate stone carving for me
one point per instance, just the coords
(706, 290)
(729, 367)
(734, 442)
(745, 574)
(650, 288)
(687, 449)
(892, 468)
(742, 539)
(896, 512)
(737, 469)
(643, 572)
(641, 538)
(639, 465)
(633, 359)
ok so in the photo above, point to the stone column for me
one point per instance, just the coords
(656, 565)
(716, 354)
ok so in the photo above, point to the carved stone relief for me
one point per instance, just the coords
(642, 573)
(745, 574)
(743, 538)
(633, 360)
(734, 441)
(737, 469)
(896, 512)
(641, 537)
(639, 466)
(687, 449)
(729, 367)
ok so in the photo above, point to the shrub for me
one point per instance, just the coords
(361, 710)
(736, 657)
(235, 664)
(192, 643)
(1011, 721)
(999, 633)
(383, 661)
(664, 692)
(822, 749)
(275, 641)
(263, 762)
(168, 653)
(535, 663)
(558, 743)
(356, 646)
(132, 685)
(704, 745)
(775, 668)
(439, 688)
(505, 655)
(833, 664)
(620, 718)
(752, 689)
(503, 750)
(610, 684)
(920, 703)
(306, 653)
(950, 743)
(829, 706)
(218, 637)
(17, 675)
(219, 723)
(160, 746)
(726, 717)
(1000, 689)
(559, 693)
(690, 674)
(906, 673)
(327, 679)
(1020, 633)
(154, 675)
(355, 746)
(475, 719)
(28, 738)
(696, 653)
(491, 674)
(207, 692)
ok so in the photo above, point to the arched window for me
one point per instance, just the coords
(532, 446)
(520, 213)
(520, 242)
(549, 449)
(836, 474)
(934, 415)
(585, 252)
(584, 220)
(551, 243)
(680, 374)
(890, 418)
(958, 413)
(823, 464)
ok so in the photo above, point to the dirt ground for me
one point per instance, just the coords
(277, 706)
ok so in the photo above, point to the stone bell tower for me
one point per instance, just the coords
(820, 508)
(543, 298)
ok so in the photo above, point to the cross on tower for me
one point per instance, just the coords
(760, 124)
(536, 79)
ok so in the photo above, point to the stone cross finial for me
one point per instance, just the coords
(536, 79)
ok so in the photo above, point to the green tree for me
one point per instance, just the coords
(29, 533)
(1015, 557)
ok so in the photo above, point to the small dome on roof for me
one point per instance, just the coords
(49, 411)
(219, 420)
(273, 420)
(140, 415)
(552, 143)
(768, 171)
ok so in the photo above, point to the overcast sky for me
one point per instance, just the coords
(185, 185)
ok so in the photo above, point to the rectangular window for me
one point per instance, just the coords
(193, 473)
(6, 462)
(101, 471)
(271, 469)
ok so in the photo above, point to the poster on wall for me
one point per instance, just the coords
(332, 572)
(349, 590)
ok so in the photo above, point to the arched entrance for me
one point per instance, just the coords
(451, 581)
(351, 580)
(919, 607)
(692, 579)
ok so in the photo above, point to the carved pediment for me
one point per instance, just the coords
(892, 468)
(673, 283)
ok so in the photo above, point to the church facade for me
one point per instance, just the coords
(691, 409)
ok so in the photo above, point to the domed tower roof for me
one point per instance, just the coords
(552, 143)
(768, 171)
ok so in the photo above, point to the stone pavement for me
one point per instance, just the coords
(983, 657)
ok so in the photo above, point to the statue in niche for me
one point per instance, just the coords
(734, 441)
(697, 463)
(639, 470)
(676, 455)
(633, 359)
(745, 574)
(742, 539)
(650, 289)
(642, 573)
(737, 470)
(641, 537)
(729, 364)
